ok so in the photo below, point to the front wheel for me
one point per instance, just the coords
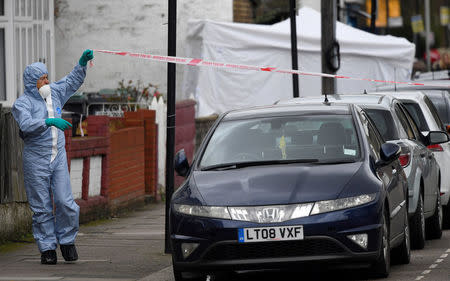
(418, 226)
(382, 266)
(402, 254)
(434, 223)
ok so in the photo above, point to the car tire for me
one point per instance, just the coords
(446, 216)
(434, 223)
(381, 267)
(402, 253)
(417, 226)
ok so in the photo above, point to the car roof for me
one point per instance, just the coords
(430, 85)
(410, 95)
(375, 99)
(286, 110)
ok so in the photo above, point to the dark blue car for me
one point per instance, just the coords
(279, 186)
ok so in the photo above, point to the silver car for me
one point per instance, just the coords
(396, 125)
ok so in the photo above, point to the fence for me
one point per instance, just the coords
(11, 171)
(160, 108)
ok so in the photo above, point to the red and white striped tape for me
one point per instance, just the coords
(201, 62)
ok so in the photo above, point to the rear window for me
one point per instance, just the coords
(384, 122)
(417, 114)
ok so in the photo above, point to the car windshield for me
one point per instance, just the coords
(276, 140)
(384, 123)
(417, 114)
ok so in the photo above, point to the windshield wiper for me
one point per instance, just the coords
(238, 165)
(336, 161)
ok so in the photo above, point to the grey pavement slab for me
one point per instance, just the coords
(128, 247)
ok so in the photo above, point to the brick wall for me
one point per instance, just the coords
(83, 150)
(126, 167)
(146, 119)
(185, 131)
(242, 11)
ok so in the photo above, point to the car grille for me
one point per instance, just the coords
(278, 249)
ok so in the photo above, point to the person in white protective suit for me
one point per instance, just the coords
(46, 176)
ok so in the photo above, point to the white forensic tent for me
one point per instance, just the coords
(363, 55)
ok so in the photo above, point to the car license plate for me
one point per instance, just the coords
(278, 233)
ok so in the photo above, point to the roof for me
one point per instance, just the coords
(362, 100)
(410, 95)
(286, 110)
(430, 85)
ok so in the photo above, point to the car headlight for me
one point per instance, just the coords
(203, 211)
(274, 213)
(341, 203)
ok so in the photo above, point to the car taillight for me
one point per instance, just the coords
(435, 147)
(404, 159)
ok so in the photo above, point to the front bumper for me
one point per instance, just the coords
(325, 241)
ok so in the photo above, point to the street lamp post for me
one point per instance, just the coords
(170, 142)
(294, 53)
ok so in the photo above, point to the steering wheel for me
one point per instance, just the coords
(246, 156)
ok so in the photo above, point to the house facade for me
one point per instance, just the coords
(26, 36)
(137, 26)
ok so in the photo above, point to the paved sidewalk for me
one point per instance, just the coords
(130, 247)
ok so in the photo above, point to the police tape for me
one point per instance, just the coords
(214, 64)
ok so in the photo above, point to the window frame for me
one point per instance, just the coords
(404, 122)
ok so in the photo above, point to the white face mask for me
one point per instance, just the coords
(45, 91)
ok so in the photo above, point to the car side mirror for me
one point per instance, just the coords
(389, 152)
(447, 128)
(437, 137)
(181, 163)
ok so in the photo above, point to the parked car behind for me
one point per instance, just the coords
(427, 119)
(438, 91)
(284, 185)
(422, 171)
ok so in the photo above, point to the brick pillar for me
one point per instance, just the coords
(85, 180)
(146, 118)
(99, 126)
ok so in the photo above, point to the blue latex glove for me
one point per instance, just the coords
(58, 123)
(86, 56)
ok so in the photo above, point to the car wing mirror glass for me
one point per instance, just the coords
(437, 137)
(447, 128)
(181, 163)
(389, 152)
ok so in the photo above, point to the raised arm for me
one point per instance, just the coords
(68, 85)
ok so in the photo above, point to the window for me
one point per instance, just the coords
(384, 123)
(404, 122)
(439, 102)
(2, 7)
(434, 113)
(373, 138)
(2, 65)
(324, 138)
(418, 135)
(416, 113)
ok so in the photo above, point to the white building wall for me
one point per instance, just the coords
(95, 175)
(133, 25)
(76, 177)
